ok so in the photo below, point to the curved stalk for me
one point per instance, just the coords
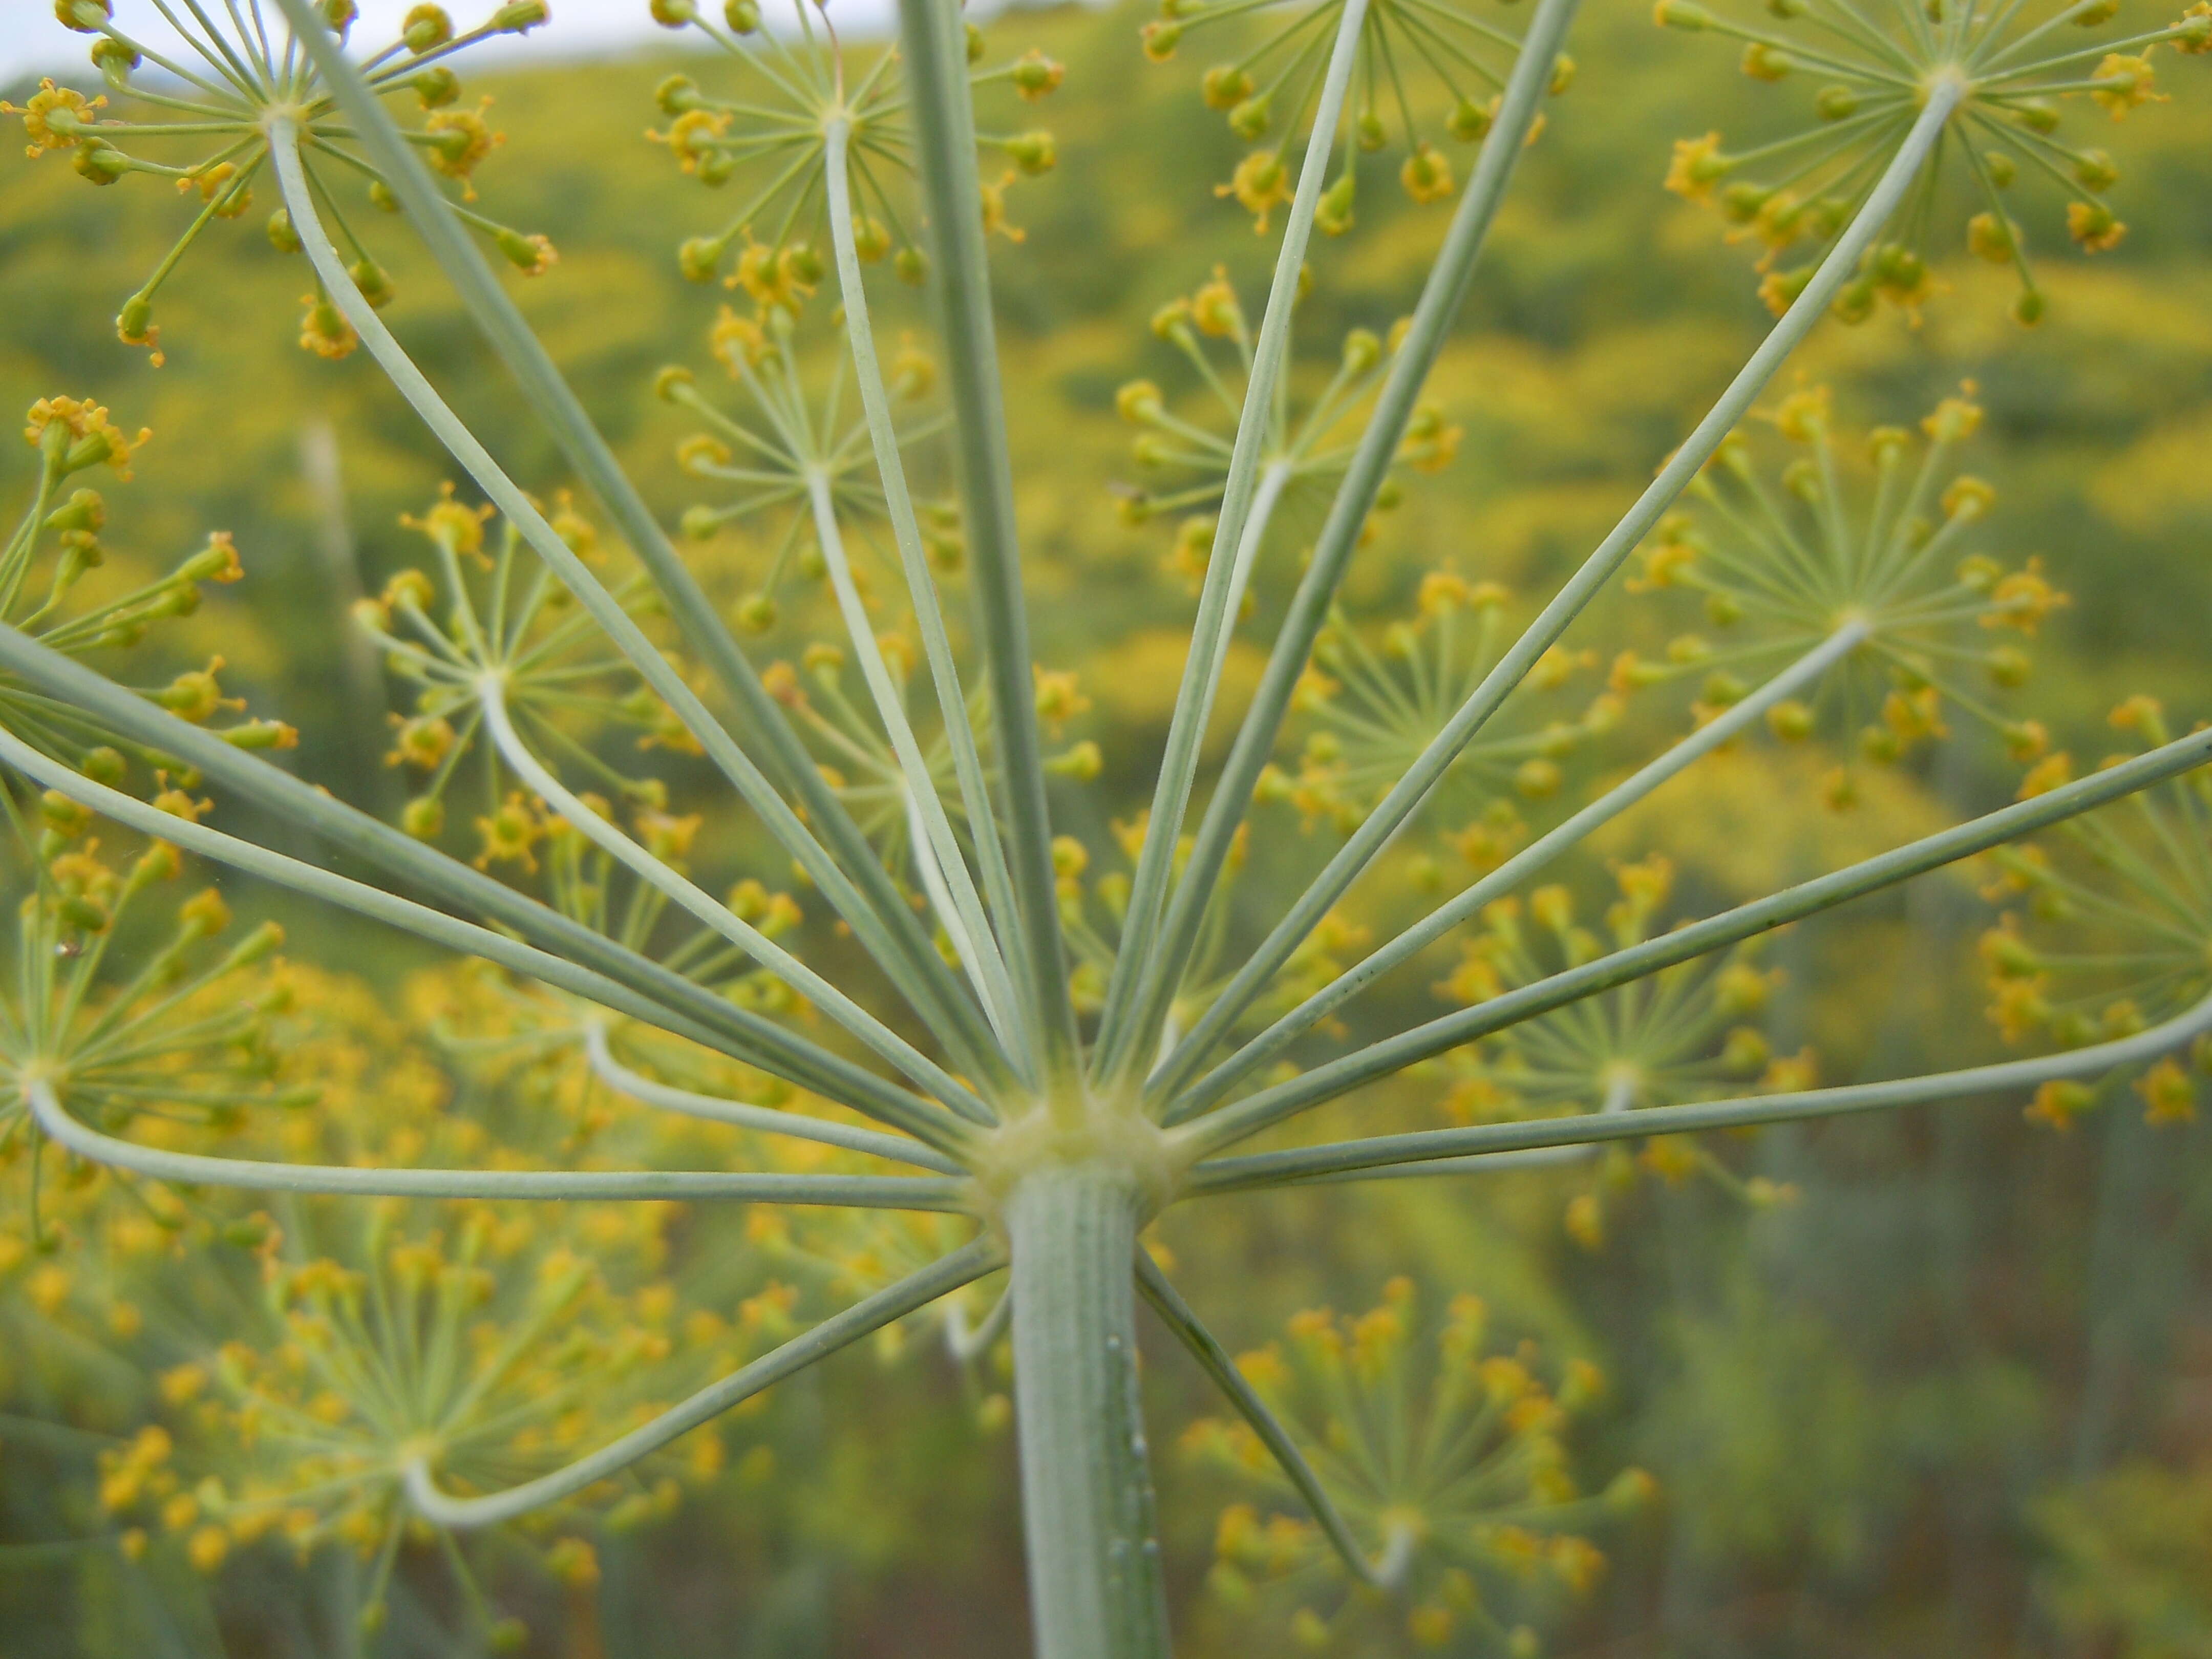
(1407, 793)
(905, 532)
(934, 43)
(604, 608)
(441, 1509)
(863, 1192)
(1215, 1361)
(651, 992)
(965, 1344)
(986, 968)
(1249, 983)
(885, 1044)
(765, 1120)
(1094, 1565)
(1440, 296)
(1256, 1112)
(548, 396)
(1140, 983)
(1487, 1146)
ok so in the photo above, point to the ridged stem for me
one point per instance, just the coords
(933, 41)
(1094, 1566)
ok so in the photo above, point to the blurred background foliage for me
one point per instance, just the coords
(1954, 1398)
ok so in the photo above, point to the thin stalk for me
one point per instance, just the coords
(1139, 984)
(921, 585)
(863, 1192)
(964, 1266)
(1255, 1112)
(1441, 1152)
(986, 968)
(1237, 995)
(939, 895)
(1215, 1361)
(934, 44)
(764, 1120)
(1441, 297)
(1094, 1563)
(903, 950)
(653, 990)
(1406, 795)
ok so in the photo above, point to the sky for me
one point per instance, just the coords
(31, 40)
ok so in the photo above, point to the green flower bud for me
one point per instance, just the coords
(103, 164)
(426, 28)
(700, 258)
(437, 86)
(84, 511)
(1033, 152)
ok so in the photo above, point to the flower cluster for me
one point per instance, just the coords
(1372, 708)
(212, 114)
(52, 548)
(1272, 88)
(1688, 1033)
(1448, 1462)
(774, 129)
(1780, 569)
(1307, 443)
(2018, 68)
(167, 1030)
(2107, 929)
(800, 459)
(493, 614)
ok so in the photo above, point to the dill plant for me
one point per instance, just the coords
(1012, 1049)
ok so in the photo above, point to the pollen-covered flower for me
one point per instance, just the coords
(1448, 1462)
(1414, 60)
(2107, 930)
(1873, 534)
(771, 134)
(1372, 706)
(202, 120)
(2022, 70)
(493, 614)
(1690, 1032)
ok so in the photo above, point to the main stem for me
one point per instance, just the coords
(1094, 1559)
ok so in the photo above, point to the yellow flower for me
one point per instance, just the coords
(2092, 224)
(1260, 182)
(1426, 174)
(2125, 81)
(54, 116)
(1697, 165)
(461, 140)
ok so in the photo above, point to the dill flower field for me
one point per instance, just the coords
(1359, 827)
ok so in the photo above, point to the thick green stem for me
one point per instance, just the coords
(935, 42)
(1094, 1565)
